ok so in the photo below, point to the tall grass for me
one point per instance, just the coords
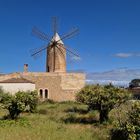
(50, 124)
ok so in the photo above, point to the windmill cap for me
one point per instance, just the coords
(56, 37)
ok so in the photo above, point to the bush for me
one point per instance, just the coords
(102, 98)
(21, 101)
(29, 99)
(134, 83)
(129, 129)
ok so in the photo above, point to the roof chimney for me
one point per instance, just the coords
(25, 67)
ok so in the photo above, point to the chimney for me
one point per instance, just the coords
(25, 67)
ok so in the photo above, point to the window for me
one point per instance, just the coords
(48, 69)
(41, 93)
(46, 93)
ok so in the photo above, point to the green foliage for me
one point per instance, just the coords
(129, 129)
(134, 113)
(4, 97)
(134, 83)
(29, 99)
(102, 98)
(21, 101)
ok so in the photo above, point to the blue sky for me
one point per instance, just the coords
(109, 36)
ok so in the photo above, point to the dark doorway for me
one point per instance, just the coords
(46, 93)
(41, 93)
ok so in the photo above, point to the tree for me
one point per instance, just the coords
(134, 83)
(21, 101)
(128, 129)
(102, 98)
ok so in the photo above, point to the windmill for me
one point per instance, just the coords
(55, 49)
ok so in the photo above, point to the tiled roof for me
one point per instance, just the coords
(16, 80)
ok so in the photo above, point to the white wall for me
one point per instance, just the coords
(15, 87)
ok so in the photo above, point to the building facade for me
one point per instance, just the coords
(54, 86)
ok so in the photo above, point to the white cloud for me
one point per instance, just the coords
(124, 55)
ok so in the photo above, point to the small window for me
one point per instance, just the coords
(46, 93)
(48, 69)
(41, 93)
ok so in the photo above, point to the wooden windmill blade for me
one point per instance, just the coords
(41, 35)
(55, 24)
(37, 51)
(70, 34)
(71, 52)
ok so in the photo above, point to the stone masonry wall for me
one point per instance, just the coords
(61, 86)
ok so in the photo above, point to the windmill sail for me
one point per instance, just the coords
(56, 51)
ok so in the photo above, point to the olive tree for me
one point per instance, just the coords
(102, 98)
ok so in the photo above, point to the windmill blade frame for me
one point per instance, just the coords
(41, 35)
(55, 49)
(70, 34)
(37, 50)
(54, 24)
(73, 53)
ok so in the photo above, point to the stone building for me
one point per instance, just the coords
(55, 86)
(55, 83)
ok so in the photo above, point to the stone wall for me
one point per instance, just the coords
(61, 86)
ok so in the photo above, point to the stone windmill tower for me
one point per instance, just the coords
(56, 50)
(56, 56)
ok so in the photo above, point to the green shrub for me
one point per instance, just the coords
(130, 128)
(29, 99)
(102, 98)
(21, 101)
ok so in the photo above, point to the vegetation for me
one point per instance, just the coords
(128, 129)
(71, 120)
(53, 122)
(103, 98)
(134, 83)
(18, 103)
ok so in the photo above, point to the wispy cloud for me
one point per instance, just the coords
(120, 76)
(75, 58)
(126, 55)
